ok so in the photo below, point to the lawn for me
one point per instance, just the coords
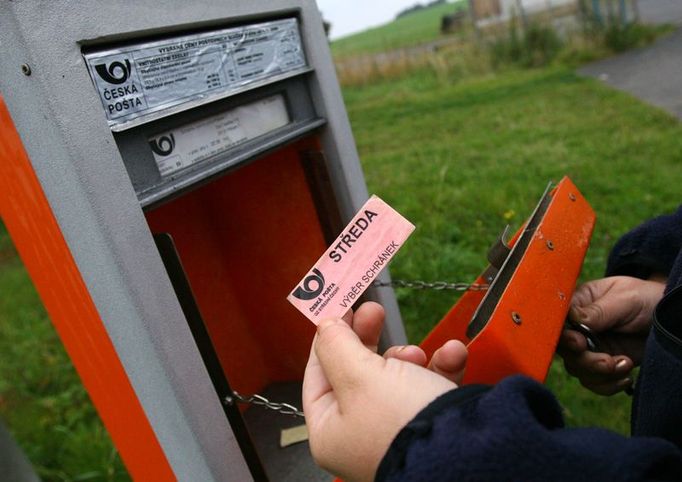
(416, 28)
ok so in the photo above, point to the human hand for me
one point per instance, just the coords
(619, 310)
(448, 361)
(356, 401)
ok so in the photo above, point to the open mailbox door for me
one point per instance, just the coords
(514, 326)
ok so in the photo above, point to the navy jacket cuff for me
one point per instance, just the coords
(421, 425)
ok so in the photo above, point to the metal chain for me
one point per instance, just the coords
(261, 401)
(434, 285)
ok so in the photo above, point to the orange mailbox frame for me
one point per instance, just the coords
(48, 260)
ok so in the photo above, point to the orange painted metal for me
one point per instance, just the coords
(41, 245)
(538, 295)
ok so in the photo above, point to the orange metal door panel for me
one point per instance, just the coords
(39, 241)
(523, 330)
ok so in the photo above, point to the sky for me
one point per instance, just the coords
(349, 16)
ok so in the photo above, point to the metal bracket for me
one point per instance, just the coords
(497, 255)
(508, 267)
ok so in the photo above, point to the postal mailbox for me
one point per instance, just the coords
(169, 171)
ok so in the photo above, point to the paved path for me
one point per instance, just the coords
(654, 73)
(660, 11)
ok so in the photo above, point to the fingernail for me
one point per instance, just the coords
(621, 363)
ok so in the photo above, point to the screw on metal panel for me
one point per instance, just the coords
(516, 318)
(550, 245)
(571, 196)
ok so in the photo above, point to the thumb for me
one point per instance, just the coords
(608, 308)
(342, 356)
(602, 315)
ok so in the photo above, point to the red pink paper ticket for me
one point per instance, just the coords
(352, 262)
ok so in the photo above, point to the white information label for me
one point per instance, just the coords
(192, 143)
(138, 80)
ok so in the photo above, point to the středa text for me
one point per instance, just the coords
(351, 235)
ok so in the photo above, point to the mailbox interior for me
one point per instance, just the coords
(242, 240)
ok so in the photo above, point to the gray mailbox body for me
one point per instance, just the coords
(174, 142)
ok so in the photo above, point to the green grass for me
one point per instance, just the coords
(414, 29)
(6, 246)
(41, 398)
(461, 160)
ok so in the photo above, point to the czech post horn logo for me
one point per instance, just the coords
(164, 145)
(116, 73)
(306, 292)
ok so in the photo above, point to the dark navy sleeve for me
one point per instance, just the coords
(650, 248)
(515, 431)
(657, 404)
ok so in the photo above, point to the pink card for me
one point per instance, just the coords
(352, 262)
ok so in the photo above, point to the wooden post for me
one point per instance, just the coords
(522, 14)
(474, 20)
